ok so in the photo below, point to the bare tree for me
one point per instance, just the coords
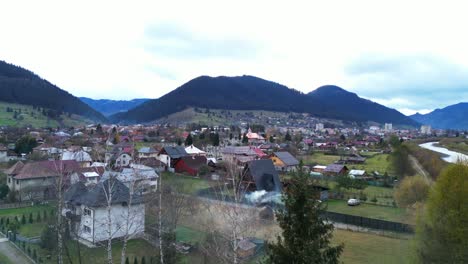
(229, 209)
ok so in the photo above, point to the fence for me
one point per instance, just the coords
(369, 222)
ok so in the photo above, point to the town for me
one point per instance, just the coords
(193, 189)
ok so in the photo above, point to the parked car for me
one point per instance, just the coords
(354, 202)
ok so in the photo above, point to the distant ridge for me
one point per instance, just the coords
(253, 93)
(21, 86)
(352, 107)
(451, 117)
(109, 107)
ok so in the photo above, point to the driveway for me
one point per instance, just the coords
(12, 253)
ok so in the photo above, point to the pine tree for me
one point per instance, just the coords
(305, 236)
(135, 261)
(143, 260)
(245, 139)
(189, 140)
(287, 137)
(215, 140)
(23, 220)
(127, 261)
(30, 218)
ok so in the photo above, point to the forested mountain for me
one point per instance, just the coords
(252, 93)
(110, 107)
(450, 117)
(20, 86)
(350, 106)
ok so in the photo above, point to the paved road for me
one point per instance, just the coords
(12, 253)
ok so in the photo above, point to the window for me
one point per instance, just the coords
(17, 182)
(86, 211)
(86, 229)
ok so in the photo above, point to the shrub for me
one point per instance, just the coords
(30, 218)
(23, 219)
(38, 217)
(374, 200)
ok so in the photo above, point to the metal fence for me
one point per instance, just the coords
(369, 222)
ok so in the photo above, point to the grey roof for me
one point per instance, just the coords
(96, 196)
(335, 168)
(264, 175)
(287, 158)
(175, 152)
(239, 150)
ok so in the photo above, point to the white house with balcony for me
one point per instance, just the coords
(87, 214)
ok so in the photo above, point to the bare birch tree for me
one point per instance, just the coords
(228, 208)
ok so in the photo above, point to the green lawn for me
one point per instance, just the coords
(188, 235)
(137, 247)
(378, 163)
(32, 230)
(26, 211)
(5, 260)
(370, 248)
(319, 158)
(371, 211)
(184, 184)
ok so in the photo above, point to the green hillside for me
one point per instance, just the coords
(18, 115)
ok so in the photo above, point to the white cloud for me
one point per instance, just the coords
(102, 48)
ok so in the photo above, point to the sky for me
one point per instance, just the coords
(408, 55)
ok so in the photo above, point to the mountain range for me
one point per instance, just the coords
(450, 117)
(109, 107)
(21, 86)
(253, 93)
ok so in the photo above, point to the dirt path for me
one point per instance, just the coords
(419, 168)
(12, 253)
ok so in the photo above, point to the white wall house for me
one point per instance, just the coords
(87, 212)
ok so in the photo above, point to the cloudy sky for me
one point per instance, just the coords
(409, 55)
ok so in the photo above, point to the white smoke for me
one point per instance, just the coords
(262, 197)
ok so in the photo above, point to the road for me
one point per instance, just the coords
(9, 251)
(419, 169)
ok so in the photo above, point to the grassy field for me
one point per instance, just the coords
(371, 211)
(370, 248)
(5, 260)
(378, 163)
(19, 212)
(135, 248)
(359, 247)
(185, 184)
(319, 158)
(32, 117)
(32, 230)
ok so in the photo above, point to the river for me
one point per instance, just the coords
(448, 155)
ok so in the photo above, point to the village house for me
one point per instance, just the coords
(194, 151)
(36, 180)
(335, 170)
(357, 174)
(284, 161)
(141, 179)
(190, 164)
(261, 175)
(169, 155)
(87, 175)
(147, 152)
(240, 155)
(254, 138)
(86, 209)
(80, 156)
